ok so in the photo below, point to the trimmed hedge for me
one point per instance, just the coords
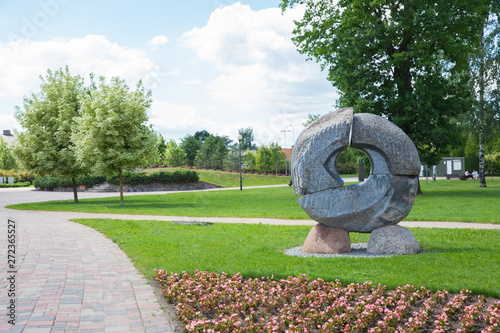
(163, 177)
(49, 183)
(24, 184)
(129, 178)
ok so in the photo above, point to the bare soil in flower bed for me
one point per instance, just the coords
(211, 302)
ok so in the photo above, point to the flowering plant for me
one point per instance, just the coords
(211, 302)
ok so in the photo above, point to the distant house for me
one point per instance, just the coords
(450, 165)
(8, 137)
(288, 153)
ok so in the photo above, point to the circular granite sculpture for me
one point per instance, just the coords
(384, 199)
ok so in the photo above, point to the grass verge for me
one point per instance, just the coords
(232, 179)
(453, 259)
(441, 201)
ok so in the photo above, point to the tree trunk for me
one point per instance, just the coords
(75, 193)
(419, 189)
(121, 188)
(482, 178)
(361, 171)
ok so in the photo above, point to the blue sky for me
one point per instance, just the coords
(214, 65)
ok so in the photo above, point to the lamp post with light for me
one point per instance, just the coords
(239, 145)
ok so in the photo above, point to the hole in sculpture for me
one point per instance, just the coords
(352, 161)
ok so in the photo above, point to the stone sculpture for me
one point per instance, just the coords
(384, 199)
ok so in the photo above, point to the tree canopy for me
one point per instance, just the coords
(174, 154)
(213, 151)
(45, 146)
(190, 145)
(311, 118)
(403, 60)
(7, 160)
(112, 134)
(484, 71)
(247, 138)
(269, 158)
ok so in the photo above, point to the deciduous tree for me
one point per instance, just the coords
(174, 154)
(485, 85)
(311, 118)
(112, 134)
(7, 160)
(213, 151)
(247, 138)
(48, 118)
(399, 59)
(190, 145)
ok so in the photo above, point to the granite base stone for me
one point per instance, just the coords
(393, 239)
(326, 240)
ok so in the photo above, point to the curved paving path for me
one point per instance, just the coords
(71, 278)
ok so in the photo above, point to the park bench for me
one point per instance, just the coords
(455, 175)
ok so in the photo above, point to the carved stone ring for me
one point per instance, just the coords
(387, 195)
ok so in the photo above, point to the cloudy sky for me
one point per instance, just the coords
(218, 65)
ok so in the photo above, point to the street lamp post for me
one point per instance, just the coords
(239, 145)
(286, 164)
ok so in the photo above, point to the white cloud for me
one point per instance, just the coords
(158, 40)
(27, 60)
(170, 118)
(8, 122)
(262, 76)
(192, 82)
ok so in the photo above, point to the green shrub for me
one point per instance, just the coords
(492, 164)
(49, 183)
(89, 181)
(19, 176)
(178, 176)
(24, 184)
(348, 168)
(25, 176)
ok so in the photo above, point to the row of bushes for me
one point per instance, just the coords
(129, 178)
(177, 176)
(19, 176)
(49, 183)
(23, 184)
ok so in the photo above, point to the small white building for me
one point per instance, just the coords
(9, 137)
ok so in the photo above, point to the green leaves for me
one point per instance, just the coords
(72, 130)
(111, 134)
(48, 118)
(401, 60)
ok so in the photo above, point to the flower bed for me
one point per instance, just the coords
(211, 302)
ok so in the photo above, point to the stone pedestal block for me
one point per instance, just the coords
(326, 240)
(392, 239)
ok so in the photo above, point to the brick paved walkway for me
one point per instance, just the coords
(70, 278)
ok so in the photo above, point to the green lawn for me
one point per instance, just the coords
(453, 259)
(443, 200)
(232, 179)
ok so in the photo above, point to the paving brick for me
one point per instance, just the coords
(72, 278)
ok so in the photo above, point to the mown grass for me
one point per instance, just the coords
(232, 179)
(455, 200)
(442, 201)
(452, 259)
